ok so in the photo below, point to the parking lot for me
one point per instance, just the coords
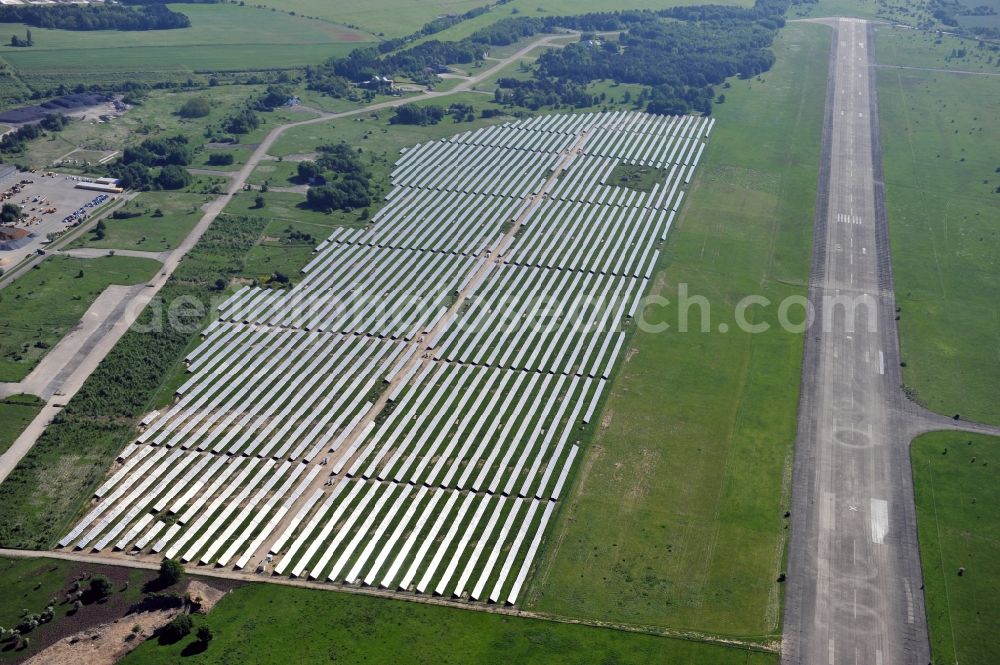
(50, 204)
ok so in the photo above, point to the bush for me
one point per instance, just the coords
(173, 177)
(100, 587)
(197, 107)
(171, 571)
(220, 159)
(11, 212)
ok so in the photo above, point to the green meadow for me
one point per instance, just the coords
(675, 517)
(941, 153)
(42, 305)
(263, 623)
(150, 231)
(957, 487)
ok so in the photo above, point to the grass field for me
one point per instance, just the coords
(262, 623)
(156, 116)
(957, 493)
(940, 149)
(221, 37)
(42, 305)
(16, 412)
(147, 232)
(676, 510)
(918, 48)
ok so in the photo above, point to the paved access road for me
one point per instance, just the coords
(854, 591)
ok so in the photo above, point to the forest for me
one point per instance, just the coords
(679, 53)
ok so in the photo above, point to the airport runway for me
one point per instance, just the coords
(854, 584)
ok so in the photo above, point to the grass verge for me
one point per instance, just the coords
(16, 412)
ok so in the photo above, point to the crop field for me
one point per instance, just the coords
(42, 305)
(150, 232)
(221, 37)
(16, 412)
(557, 8)
(675, 512)
(404, 416)
(957, 489)
(941, 158)
(395, 18)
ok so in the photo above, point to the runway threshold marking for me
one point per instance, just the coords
(881, 363)
(879, 517)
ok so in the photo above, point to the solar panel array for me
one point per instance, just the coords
(404, 415)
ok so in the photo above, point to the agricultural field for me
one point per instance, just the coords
(16, 412)
(349, 377)
(543, 8)
(222, 37)
(164, 220)
(940, 153)
(957, 489)
(263, 623)
(41, 306)
(675, 516)
(396, 18)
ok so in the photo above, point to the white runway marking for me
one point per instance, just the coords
(831, 652)
(881, 363)
(880, 520)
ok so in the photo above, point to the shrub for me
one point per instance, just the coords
(178, 628)
(100, 587)
(171, 571)
(197, 107)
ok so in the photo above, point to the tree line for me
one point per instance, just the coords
(95, 17)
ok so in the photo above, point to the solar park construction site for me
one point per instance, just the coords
(404, 416)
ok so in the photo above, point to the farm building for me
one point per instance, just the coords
(99, 186)
(12, 238)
